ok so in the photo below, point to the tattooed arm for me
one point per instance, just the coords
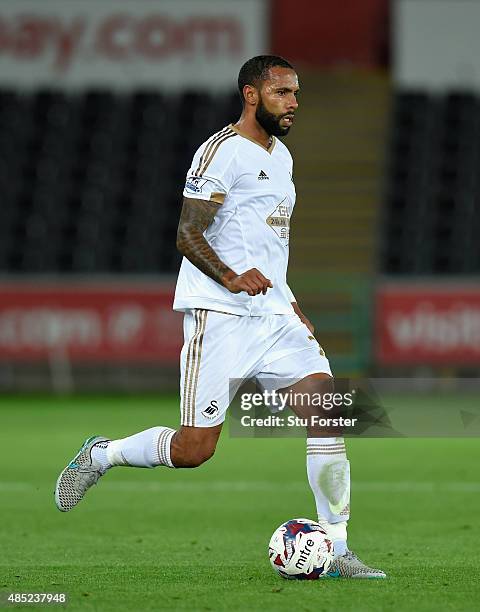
(196, 216)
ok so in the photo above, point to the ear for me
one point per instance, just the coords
(250, 95)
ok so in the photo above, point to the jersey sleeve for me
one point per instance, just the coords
(212, 174)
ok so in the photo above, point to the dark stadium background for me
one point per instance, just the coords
(102, 104)
(97, 132)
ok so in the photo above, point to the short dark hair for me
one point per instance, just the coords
(256, 69)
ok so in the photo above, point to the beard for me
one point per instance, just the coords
(270, 122)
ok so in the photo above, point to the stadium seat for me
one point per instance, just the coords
(432, 186)
(93, 182)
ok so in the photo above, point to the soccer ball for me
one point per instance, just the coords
(300, 550)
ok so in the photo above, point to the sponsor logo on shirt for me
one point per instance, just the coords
(263, 176)
(279, 221)
(195, 184)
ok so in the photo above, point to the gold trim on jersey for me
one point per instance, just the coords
(209, 146)
(214, 148)
(240, 133)
(218, 198)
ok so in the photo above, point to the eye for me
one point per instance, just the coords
(281, 92)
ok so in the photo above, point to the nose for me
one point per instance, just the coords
(293, 103)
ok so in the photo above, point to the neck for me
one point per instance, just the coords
(251, 127)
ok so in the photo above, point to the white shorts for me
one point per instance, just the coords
(276, 349)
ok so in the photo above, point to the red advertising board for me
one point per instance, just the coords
(129, 44)
(115, 322)
(436, 324)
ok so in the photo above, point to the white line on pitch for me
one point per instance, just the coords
(234, 486)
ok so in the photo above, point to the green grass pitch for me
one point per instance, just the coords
(197, 539)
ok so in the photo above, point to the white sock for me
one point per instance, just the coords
(146, 449)
(329, 476)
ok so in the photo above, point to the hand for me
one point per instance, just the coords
(252, 281)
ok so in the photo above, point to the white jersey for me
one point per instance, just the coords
(251, 228)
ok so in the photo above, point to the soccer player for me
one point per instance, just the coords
(241, 319)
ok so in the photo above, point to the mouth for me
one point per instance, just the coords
(288, 119)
